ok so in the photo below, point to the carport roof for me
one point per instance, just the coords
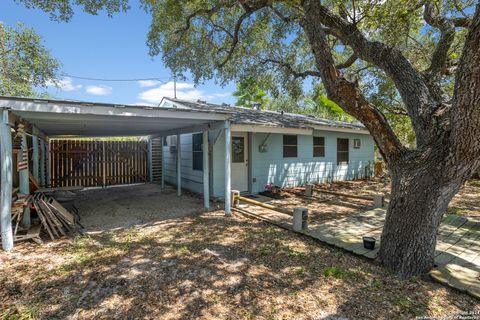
(60, 118)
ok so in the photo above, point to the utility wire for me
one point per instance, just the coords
(162, 80)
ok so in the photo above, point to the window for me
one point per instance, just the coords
(342, 151)
(238, 149)
(289, 146)
(197, 152)
(356, 143)
(172, 143)
(172, 140)
(318, 146)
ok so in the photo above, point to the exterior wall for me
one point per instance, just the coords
(191, 179)
(271, 167)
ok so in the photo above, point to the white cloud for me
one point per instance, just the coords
(222, 95)
(99, 90)
(186, 91)
(65, 84)
(148, 83)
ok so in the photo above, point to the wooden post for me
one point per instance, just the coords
(150, 159)
(228, 169)
(163, 162)
(25, 183)
(179, 166)
(35, 154)
(308, 190)
(6, 189)
(43, 151)
(104, 165)
(206, 174)
(47, 163)
(235, 198)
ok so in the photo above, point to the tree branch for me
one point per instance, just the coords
(291, 70)
(465, 114)
(410, 83)
(351, 60)
(447, 36)
(347, 94)
(236, 32)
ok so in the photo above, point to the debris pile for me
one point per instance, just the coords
(55, 219)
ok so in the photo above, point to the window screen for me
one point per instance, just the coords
(197, 153)
(289, 146)
(342, 151)
(318, 146)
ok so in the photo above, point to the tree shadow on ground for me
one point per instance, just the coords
(209, 266)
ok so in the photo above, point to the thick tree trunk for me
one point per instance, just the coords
(421, 191)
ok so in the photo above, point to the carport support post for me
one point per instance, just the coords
(25, 183)
(6, 190)
(228, 169)
(35, 154)
(206, 175)
(179, 166)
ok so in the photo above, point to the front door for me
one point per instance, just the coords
(239, 161)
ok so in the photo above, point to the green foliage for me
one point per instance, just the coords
(63, 10)
(24, 62)
(249, 93)
(201, 38)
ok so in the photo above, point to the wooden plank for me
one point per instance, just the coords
(346, 195)
(265, 205)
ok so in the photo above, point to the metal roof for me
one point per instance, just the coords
(77, 118)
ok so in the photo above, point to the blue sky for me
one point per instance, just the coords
(108, 48)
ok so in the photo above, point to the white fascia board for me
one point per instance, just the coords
(127, 111)
(192, 129)
(319, 129)
(267, 129)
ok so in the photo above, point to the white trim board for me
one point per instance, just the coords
(267, 129)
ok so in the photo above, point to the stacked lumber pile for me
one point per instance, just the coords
(55, 219)
(19, 202)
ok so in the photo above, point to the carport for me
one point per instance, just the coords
(44, 119)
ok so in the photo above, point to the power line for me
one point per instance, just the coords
(161, 80)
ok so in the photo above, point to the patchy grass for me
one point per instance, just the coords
(341, 273)
(209, 267)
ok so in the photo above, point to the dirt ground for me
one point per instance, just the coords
(128, 206)
(326, 207)
(206, 266)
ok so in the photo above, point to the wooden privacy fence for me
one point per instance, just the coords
(92, 163)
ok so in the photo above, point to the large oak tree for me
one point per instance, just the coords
(428, 51)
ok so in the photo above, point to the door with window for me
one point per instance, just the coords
(240, 161)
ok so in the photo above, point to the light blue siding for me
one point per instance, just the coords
(191, 179)
(271, 167)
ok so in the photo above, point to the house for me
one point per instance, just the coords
(253, 147)
(268, 147)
